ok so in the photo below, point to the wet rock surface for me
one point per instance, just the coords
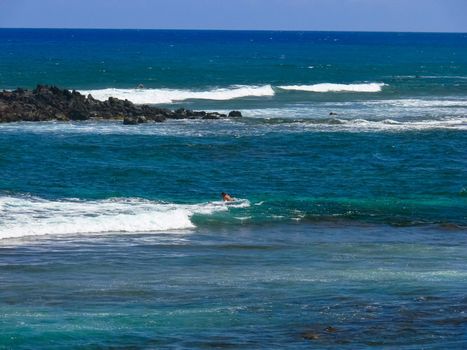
(46, 103)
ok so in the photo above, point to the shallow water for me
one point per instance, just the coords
(261, 286)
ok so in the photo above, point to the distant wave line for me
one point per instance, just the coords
(167, 96)
(330, 87)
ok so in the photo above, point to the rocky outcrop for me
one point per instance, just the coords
(235, 114)
(51, 103)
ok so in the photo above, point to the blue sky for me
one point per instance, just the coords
(359, 15)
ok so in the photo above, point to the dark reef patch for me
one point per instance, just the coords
(46, 103)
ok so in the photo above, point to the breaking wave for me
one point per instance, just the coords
(329, 87)
(161, 96)
(166, 96)
(31, 216)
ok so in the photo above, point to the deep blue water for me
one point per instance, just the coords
(114, 237)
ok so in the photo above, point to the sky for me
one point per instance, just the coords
(338, 15)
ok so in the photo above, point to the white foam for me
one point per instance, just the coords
(329, 87)
(161, 96)
(363, 125)
(420, 103)
(260, 122)
(27, 216)
(461, 77)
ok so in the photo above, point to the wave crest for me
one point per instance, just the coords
(329, 87)
(166, 96)
(31, 216)
(161, 96)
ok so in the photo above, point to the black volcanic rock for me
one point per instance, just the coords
(130, 121)
(214, 115)
(235, 114)
(51, 103)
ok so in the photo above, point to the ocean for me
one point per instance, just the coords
(349, 167)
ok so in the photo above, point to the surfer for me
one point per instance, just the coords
(227, 197)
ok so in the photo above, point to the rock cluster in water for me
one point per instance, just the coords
(51, 103)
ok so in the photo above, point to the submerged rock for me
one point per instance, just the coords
(310, 336)
(51, 103)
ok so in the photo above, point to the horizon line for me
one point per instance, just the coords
(239, 30)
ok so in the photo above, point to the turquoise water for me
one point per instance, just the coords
(114, 237)
(237, 287)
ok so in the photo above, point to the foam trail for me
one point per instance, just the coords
(363, 125)
(160, 96)
(27, 216)
(420, 103)
(329, 87)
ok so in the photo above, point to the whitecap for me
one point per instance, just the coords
(164, 96)
(30, 216)
(330, 87)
